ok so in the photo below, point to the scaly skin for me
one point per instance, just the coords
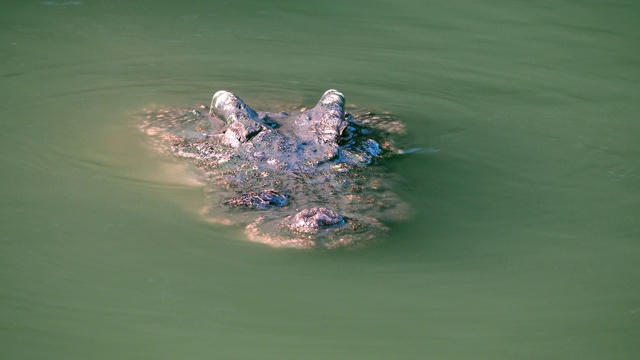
(311, 179)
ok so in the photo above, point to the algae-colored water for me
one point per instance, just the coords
(525, 237)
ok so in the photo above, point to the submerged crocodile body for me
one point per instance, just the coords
(310, 179)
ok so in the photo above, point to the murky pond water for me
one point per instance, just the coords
(525, 237)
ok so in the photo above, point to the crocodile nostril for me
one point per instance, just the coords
(314, 219)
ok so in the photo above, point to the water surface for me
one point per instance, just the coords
(525, 237)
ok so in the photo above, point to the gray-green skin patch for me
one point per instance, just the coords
(305, 180)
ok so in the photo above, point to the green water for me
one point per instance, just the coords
(525, 237)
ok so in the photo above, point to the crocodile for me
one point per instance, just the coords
(310, 178)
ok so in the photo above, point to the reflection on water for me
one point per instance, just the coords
(522, 245)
